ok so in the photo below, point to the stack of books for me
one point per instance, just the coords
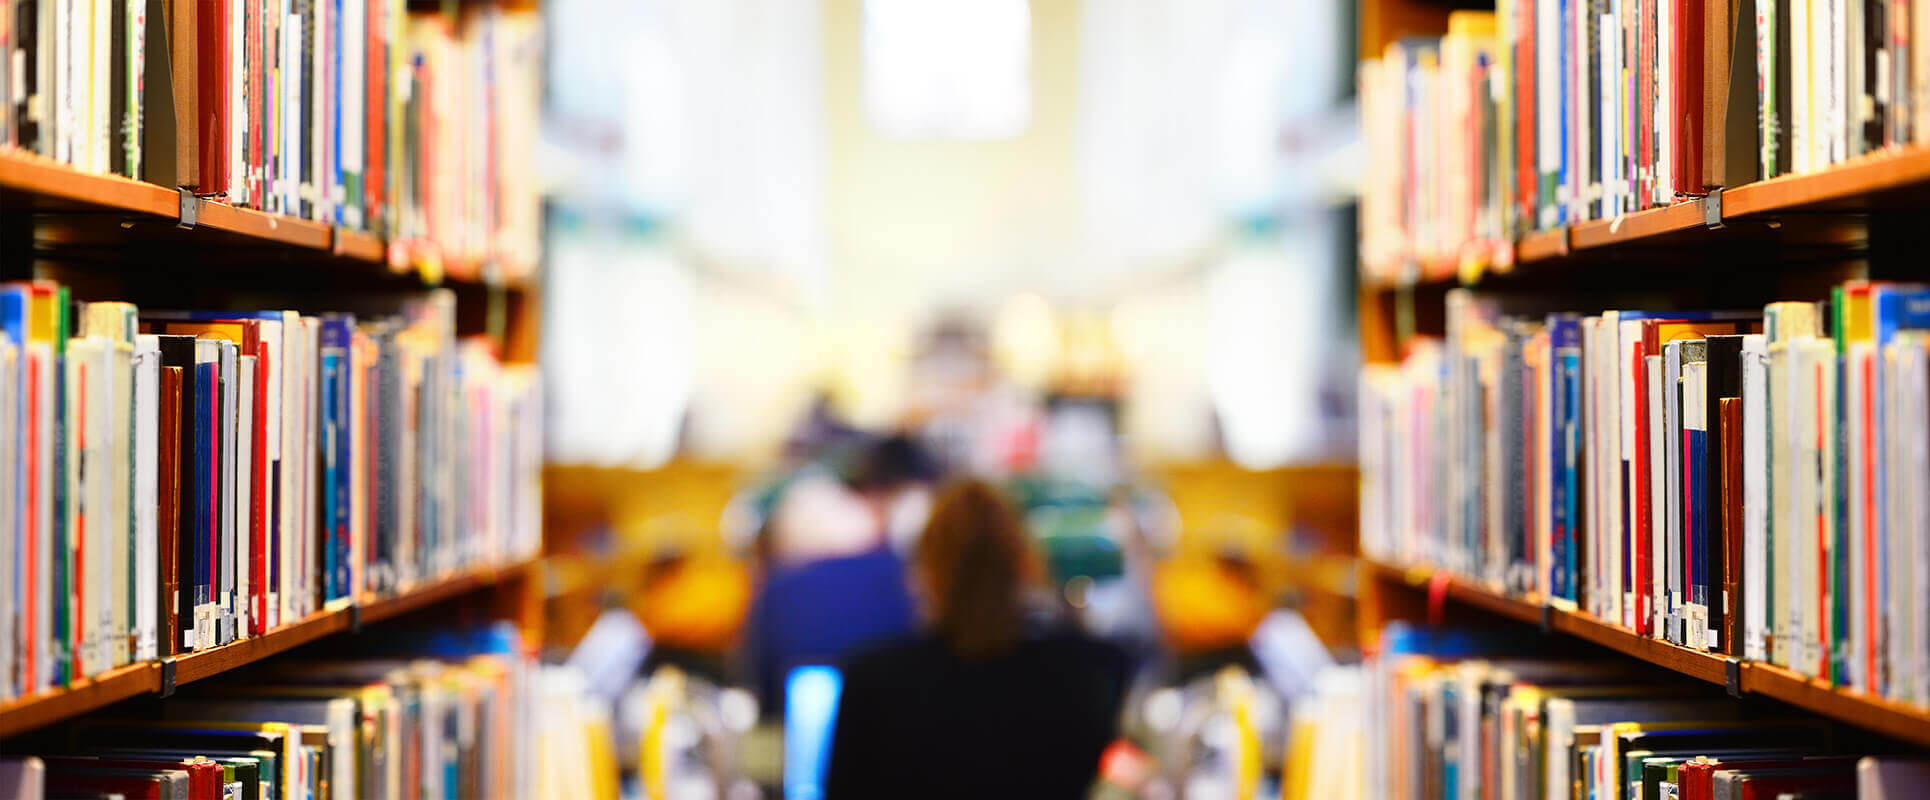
(1483, 722)
(1544, 113)
(457, 718)
(354, 113)
(1754, 483)
(174, 481)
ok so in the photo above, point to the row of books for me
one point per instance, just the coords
(174, 481)
(351, 112)
(1450, 716)
(1754, 483)
(1544, 113)
(457, 718)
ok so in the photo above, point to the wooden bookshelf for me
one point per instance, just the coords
(1892, 179)
(150, 677)
(1396, 587)
(34, 711)
(106, 207)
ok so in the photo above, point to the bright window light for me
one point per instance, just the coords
(951, 69)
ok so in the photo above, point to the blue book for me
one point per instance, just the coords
(204, 513)
(61, 549)
(1565, 345)
(337, 336)
(1895, 307)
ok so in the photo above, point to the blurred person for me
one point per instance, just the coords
(990, 700)
(832, 584)
(895, 475)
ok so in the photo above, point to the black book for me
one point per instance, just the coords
(1742, 137)
(157, 162)
(1785, 100)
(117, 92)
(31, 132)
(1724, 372)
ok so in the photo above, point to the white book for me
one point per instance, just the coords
(237, 188)
(291, 422)
(293, 182)
(147, 570)
(1903, 438)
(88, 529)
(355, 18)
(1672, 462)
(1658, 489)
(1799, 80)
(229, 521)
(1755, 496)
(1839, 117)
(1811, 502)
(1628, 365)
(11, 536)
(1780, 454)
(1608, 39)
(1914, 371)
(311, 440)
(1665, 91)
(270, 484)
(1860, 495)
(288, 424)
(100, 129)
(119, 429)
(245, 521)
(1919, 57)
(1590, 454)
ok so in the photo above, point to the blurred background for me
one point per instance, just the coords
(805, 261)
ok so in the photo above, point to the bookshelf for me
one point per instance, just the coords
(507, 587)
(78, 208)
(1419, 594)
(1873, 183)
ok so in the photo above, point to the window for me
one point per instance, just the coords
(948, 69)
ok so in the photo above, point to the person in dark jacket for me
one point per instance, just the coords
(985, 702)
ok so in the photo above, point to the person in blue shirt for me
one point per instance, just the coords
(834, 583)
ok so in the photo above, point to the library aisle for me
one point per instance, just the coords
(1103, 399)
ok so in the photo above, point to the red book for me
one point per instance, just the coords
(211, 51)
(204, 777)
(130, 784)
(1527, 173)
(1639, 474)
(258, 499)
(1771, 787)
(375, 151)
(257, 95)
(1685, 105)
(1700, 782)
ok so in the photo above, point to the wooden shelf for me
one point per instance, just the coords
(1542, 246)
(133, 680)
(1890, 718)
(33, 711)
(1892, 178)
(50, 188)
